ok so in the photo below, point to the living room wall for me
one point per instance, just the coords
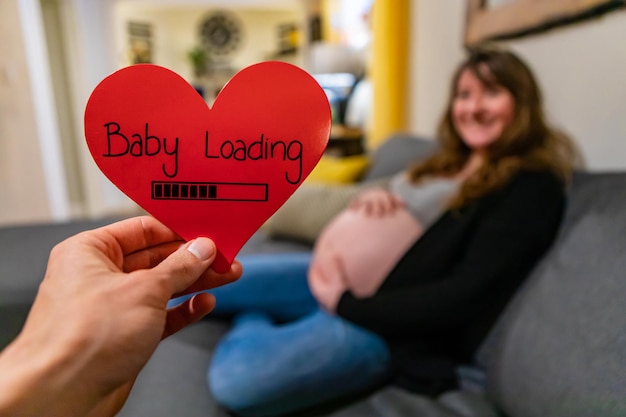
(580, 68)
(176, 32)
(22, 181)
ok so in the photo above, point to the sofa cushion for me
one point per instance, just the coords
(303, 216)
(398, 152)
(560, 348)
(24, 251)
(334, 170)
(396, 402)
(261, 243)
(173, 382)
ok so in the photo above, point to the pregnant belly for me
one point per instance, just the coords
(362, 250)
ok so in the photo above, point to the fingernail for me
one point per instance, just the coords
(202, 248)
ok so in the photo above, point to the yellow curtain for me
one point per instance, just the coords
(389, 69)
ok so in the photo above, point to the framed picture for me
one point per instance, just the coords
(489, 20)
(287, 38)
(140, 42)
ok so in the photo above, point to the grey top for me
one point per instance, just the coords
(425, 200)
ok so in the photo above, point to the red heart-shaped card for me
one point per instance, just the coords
(218, 172)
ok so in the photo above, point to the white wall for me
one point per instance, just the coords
(176, 32)
(583, 72)
(582, 69)
(435, 50)
(23, 189)
(88, 31)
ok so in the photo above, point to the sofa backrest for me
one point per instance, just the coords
(559, 350)
(397, 153)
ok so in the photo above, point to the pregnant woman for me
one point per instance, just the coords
(405, 283)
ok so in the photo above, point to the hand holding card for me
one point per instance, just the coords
(218, 172)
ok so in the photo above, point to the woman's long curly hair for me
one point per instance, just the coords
(527, 143)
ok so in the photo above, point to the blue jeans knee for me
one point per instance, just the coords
(261, 369)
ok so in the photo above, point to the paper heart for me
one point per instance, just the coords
(218, 172)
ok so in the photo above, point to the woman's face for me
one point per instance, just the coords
(480, 113)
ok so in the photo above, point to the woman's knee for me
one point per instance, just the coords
(257, 369)
(227, 387)
(240, 366)
(239, 389)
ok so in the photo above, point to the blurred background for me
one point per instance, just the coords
(385, 66)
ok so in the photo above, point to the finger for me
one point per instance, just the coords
(183, 267)
(386, 206)
(380, 207)
(139, 233)
(188, 312)
(211, 279)
(397, 201)
(391, 204)
(341, 267)
(356, 203)
(150, 257)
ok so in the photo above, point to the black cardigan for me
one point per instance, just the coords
(439, 302)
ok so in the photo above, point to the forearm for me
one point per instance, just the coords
(398, 314)
(40, 380)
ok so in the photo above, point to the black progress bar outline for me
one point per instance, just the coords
(210, 194)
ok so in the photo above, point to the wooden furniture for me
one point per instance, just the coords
(345, 141)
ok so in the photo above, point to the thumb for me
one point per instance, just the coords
(183, 267)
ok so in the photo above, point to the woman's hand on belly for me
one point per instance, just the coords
(376, 202)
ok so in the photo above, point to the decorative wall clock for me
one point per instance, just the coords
(221, 33)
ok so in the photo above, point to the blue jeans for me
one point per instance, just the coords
(283, 352)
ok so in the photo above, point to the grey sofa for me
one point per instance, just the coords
(559, 350)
